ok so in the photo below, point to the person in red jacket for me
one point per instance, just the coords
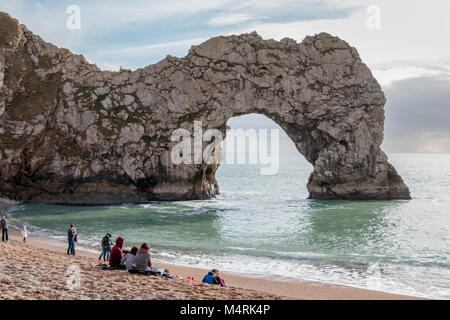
(116, 253)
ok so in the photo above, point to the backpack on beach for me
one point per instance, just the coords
(105, 242)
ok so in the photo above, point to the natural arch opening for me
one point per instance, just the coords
(240, 174)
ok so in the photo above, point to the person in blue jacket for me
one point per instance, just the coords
(211, 277)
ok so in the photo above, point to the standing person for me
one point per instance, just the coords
(75, 235)
(24, 234)
(143, 259)
(71, 239)
(106, 247)
(4, 225)
(117, 253)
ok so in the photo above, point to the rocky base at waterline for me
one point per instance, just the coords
(73, 134)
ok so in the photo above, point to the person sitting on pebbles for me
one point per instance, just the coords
(213, 277)
(129, 259)
(143, 259)
(117, 254)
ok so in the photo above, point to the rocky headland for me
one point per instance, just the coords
(71, 133)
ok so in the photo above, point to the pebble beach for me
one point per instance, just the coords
(28, 272)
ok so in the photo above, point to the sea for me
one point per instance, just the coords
(264, 226)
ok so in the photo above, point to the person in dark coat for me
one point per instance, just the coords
(4, 226)
(106, 247)
(71, 234)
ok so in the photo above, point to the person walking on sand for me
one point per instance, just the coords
(106, 247)
(4, 225)
(71, 234)
(24, 234)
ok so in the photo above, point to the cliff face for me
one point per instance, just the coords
(71, 133)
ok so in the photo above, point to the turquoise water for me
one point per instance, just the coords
(265, 226)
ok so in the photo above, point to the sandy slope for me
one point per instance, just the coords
(31, 273)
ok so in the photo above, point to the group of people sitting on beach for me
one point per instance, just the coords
(134, 260)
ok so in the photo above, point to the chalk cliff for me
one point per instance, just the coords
(74, 134)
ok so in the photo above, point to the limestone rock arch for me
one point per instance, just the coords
(74, 134)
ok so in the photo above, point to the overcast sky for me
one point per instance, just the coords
(409, 53)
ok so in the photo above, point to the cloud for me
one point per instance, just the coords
(229, 19)
(410, 30)
(47, 21)
(388, 72)
(169, 32)
(105, 65)
(137, 33)
(143, 50)
(418, 115)
(133, 57)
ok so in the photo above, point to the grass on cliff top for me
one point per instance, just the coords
(39, 94)
(8, 29)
